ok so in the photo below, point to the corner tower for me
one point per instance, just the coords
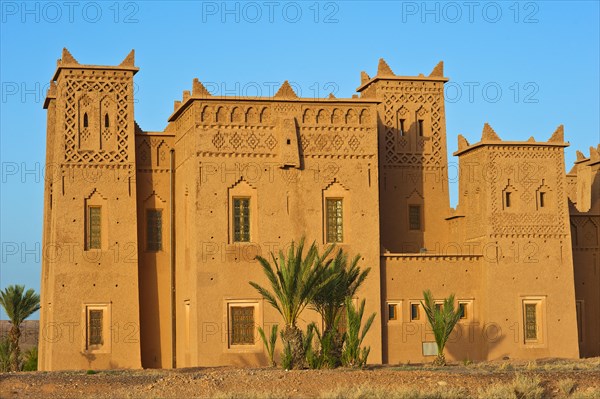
(413, 160)
(513, 198)
(90, 304)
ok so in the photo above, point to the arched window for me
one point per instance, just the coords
(85, 120)
(106, 121)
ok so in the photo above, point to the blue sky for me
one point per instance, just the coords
(524, 67)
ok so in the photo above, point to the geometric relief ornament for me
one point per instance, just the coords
(108, 114)
(143, 154)
(243, 140)
(331, 144)
(90, 136)
(88, 122)
(404, 105)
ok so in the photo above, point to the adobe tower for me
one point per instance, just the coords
(90, 267)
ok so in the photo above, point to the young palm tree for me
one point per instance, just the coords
(18, 306)
(442, 320)
(330, 300)
(270, 343)
(294, 281)
(354, 355)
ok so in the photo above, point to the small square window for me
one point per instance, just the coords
(439, 307)
(392, 311)
(415, 311)
(463, 310)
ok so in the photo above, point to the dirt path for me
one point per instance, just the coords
(232, 382)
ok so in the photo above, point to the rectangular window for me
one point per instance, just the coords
(401, 126)
(415, 313)
(439, 307)
(94, 328)
(242, 325)
(462, 308)
(414, 217)
(334, 220)
(392, 311)
(531, 327)
(421, 127)
(97, 334)
(507, 199)
(542, 199)
(241, 219)
(94, 231)
(533, 313)
(154, 230)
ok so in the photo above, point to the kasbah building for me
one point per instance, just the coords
(163, 227)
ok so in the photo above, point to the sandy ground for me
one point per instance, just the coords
(270, 382)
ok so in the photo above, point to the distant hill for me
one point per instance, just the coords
(30, 331)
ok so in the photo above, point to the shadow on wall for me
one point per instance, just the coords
(401, 194)
(474, 341)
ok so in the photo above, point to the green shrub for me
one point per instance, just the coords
(31, 359)
(4, 354)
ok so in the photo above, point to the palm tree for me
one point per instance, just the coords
(18, 307)
(354, 355)
(442, 320)
(330, 300)
(294, 280)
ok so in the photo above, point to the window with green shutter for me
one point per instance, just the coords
(94, 227)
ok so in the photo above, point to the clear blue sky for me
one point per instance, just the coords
(524, 67)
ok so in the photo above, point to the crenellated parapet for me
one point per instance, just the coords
(252, 126)
(95, 105)
(412, 118)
